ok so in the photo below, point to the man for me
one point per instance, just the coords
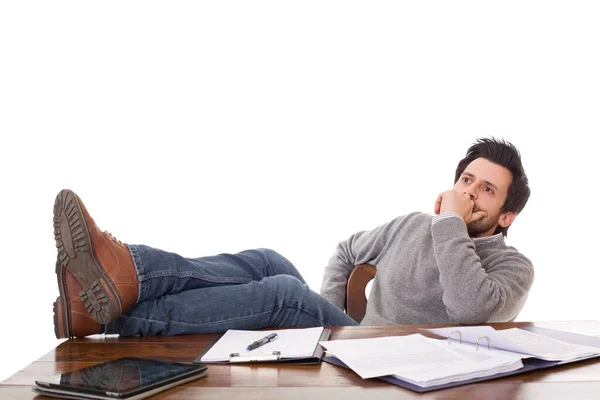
(454, 267)
(450, 268)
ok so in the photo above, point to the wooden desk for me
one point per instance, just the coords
(574, 381)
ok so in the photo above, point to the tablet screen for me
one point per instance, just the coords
(124, 376)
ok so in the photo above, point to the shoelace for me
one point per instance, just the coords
(107, 233)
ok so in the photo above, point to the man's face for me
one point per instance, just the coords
(487, 184)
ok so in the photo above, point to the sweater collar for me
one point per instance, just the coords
(498, 237)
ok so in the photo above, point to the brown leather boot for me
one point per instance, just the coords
(99, 262)
(71, 319)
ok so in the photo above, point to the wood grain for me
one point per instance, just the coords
(266, 381)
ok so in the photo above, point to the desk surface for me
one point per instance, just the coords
(574, 381)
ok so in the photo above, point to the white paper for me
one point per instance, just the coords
(292, 343)
(481, 363)
(417, 359)
(547, 348)
(518, 341)
(565, 336)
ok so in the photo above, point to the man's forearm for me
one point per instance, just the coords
(470, 293)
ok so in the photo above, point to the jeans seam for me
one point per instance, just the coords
(203, 323)
(139, 269)
(269, 266)
(305, 311)
(229, 319)
(190, 274)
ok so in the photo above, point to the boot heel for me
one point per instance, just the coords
(96, 302)
(61, 323)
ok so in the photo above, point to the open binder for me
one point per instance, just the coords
(482, 344)
(293, 346)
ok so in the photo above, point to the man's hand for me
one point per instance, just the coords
(459, 203)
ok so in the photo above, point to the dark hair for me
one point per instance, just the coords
(505, 154)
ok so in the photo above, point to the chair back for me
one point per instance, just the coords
(356, 301)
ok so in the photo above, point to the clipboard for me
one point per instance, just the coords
(312, 352)
(313, 356)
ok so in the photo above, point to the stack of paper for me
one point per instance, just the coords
(419, 360)
(425, 362)
(527, 344)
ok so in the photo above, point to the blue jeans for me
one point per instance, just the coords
(249, 290)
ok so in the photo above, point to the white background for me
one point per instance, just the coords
(207, 128)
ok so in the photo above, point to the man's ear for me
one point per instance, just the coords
(506, 219)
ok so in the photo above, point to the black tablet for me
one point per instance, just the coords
(123, 378)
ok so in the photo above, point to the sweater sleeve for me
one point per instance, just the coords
(360, 248)
(473, 294)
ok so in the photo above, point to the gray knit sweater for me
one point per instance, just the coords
(429, 271)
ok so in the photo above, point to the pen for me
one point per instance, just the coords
(260, 342)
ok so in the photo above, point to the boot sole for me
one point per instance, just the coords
(76, 252)
(61, 308)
